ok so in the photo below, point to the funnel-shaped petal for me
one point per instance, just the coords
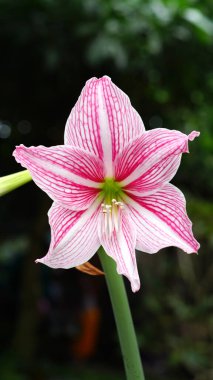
(110, 184)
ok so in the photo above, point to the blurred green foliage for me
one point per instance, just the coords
(160, 53)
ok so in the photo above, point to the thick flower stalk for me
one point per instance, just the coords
(110, 184)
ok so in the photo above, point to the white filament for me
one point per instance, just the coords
(112, 217)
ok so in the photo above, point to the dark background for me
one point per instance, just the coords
(57, 324)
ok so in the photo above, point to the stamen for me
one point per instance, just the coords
(112, 216)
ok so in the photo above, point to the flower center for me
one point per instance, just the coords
(111, 190)
(112, 206)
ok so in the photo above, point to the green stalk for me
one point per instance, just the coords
(12, 181)
(123, 318)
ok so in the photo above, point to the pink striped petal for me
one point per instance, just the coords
(121, 247)
(162, 221)
(103, 121)
(151, 161)
(68, 175)
(71, 232)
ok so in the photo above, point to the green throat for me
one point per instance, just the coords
(111, 190)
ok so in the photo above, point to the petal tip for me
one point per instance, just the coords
(101, 79)
(15, 153)
(106, 77)
(39, 261)
(194, 248)
(193, 135)
(17, 150)
(135, 285)
(197, 247)
(18, 154)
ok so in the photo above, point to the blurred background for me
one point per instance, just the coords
(58, 324)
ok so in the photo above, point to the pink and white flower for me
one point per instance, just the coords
(110, 184)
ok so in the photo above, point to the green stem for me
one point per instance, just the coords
(12, 181)
(123, 318)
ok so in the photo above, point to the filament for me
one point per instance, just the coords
(112, 214)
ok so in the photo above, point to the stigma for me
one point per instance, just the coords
(112, 217)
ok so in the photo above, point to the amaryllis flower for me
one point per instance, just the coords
(110, 184)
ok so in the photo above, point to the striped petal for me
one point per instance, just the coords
(68, 175)
(162, 221)
(103, 121)
(150, 161)
(74, 237)
(121, 247)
